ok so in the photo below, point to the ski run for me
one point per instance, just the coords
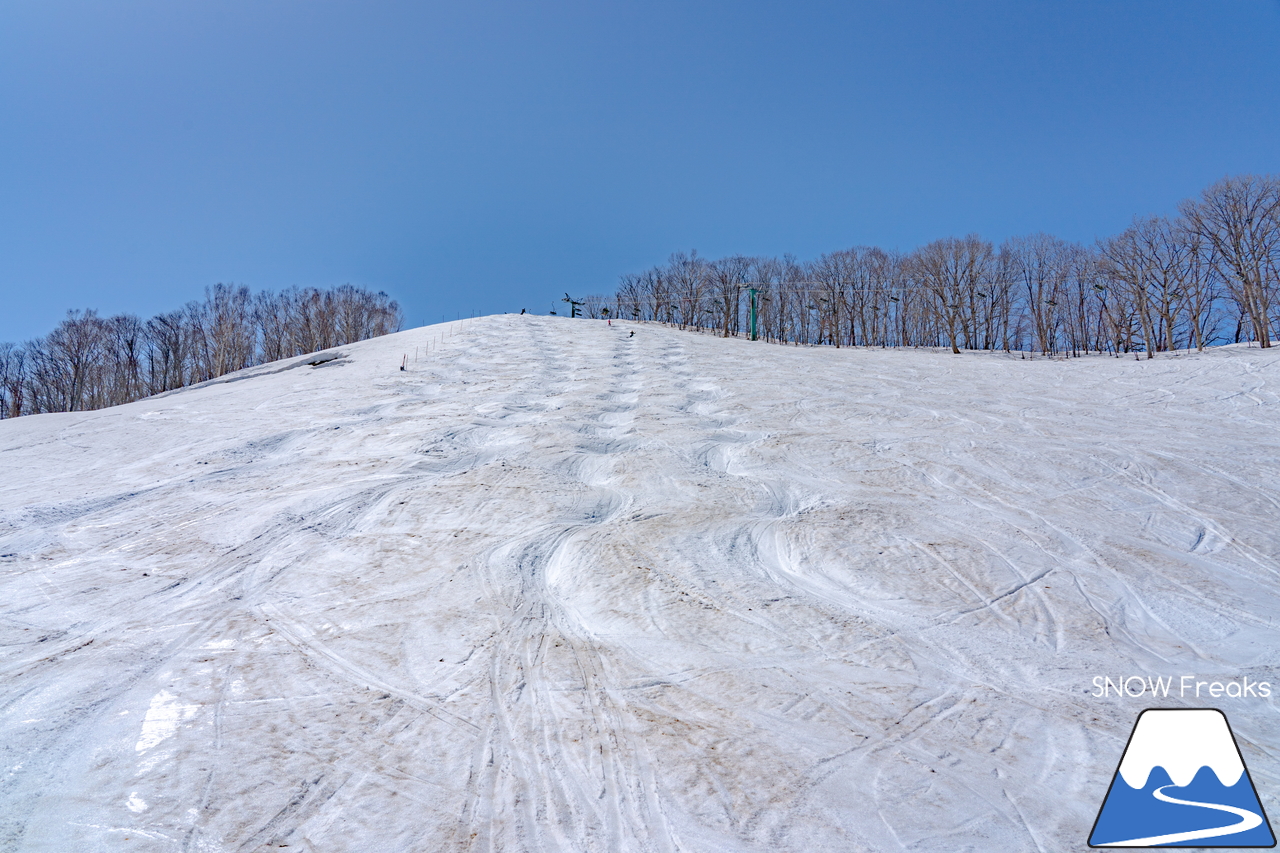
(555, 587)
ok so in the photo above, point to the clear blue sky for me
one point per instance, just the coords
(488, 156)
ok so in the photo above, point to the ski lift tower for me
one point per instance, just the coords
(574, 305)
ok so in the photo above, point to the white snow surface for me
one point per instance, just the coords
(1181, 741)
(555, 588)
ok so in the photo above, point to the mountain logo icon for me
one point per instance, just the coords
(1181, 783)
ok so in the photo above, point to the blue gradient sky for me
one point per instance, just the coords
(488, 156)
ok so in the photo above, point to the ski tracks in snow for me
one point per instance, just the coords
(558, 588)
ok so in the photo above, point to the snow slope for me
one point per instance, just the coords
(554, 588)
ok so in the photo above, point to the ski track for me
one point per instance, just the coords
(555, 588)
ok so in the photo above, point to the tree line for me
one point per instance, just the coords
(1209, 275)
(90, 362)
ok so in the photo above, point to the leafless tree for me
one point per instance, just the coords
(170, 351)
(1159, 285)
(12, 378)
(88, 362)
(1201, 281)
(1042, 266)
(1240, 218)
(953, 272)
(631, 297)
(1084, 306)
(593, 305)
(1146, 263)
(272, 313)
(834, 276)
(690, 279)
(72, 353)
(125, 352)
(728, 277)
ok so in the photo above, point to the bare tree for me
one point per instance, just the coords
(953, 272)
(88, 362)
(12, 376)
(728, 277)
(271, 316)
(690, 279)
(72, 356)
(1240, 218)
(593, 305)
(230, 317)
(123, 357)
(169, 353)
(1042, 266)
(833, 276)
(1149, 264)
(631, 297)
(360, 315)
(1127, 266)
(1083, 303)
(1202, 283)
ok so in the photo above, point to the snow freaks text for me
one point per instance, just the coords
(1182, 687)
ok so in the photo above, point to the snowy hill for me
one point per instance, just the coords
(557, 588)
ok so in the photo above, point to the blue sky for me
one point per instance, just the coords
(489, 156)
